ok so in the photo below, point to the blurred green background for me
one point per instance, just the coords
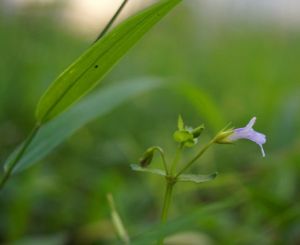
(216, 72)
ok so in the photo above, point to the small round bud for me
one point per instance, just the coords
(197, 131)
(147, 157)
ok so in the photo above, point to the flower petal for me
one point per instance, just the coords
(249, 133)
(251, 123)
(262, 150)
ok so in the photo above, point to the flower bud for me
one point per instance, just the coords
(197, 131)
(147, 157)
(223, 137)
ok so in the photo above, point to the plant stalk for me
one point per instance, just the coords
(177, 158)
(18, 157)
(167, 201)
(201, 152)
(111, 21)
(162, 155)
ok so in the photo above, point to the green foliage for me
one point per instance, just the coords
(180, 123)
(197, 178)
(138, 168)
(96, 105)
(86, 72)
(194, 178)
(218, 73)
(83, 74)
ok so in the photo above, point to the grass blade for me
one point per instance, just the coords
(85, 73)
(98, 104)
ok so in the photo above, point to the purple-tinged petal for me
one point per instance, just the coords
(251, 123)
(262, 150)
(249, 133)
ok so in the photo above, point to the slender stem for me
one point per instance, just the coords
(162, 154)
(177, 158)
(170, 181)
(112, 20)
(18, 157)
(117, 221)
(167, 201)
(196, 157)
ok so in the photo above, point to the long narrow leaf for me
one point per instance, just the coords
(98, 104)
(197, 178)
(87, 71)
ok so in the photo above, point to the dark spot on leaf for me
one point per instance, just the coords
(96, 66)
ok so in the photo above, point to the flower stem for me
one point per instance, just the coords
(177, 158)
(167, 201)
(170, 182)
(201, 152)
(18, 157)
(162, 155)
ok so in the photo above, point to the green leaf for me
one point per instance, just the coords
(97, 104)
(85, 73)
(156, 171)
(197, 178)
(180, 123)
